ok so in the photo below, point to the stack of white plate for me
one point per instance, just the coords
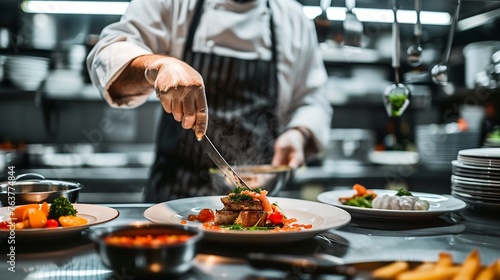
(475, 177)
(438, 144)
(27, 72)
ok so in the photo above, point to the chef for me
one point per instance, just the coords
(248, 74)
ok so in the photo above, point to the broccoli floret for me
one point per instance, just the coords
(61, 207)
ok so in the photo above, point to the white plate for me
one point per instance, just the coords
(488, 163)
(492, 153)
(394, 157)
(322, 217)
(439, 205)
(95, 214)
(476, 182)
(474, 168)
(474, 187)
(476, 161)
(478, 202)
(105, 159)
(476, 194)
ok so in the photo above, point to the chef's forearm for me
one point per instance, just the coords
(132, 84)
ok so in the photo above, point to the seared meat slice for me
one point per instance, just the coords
(242, 205)
(225, 217)
(250, 218)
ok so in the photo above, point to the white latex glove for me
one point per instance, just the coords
(289, 149)
(181, 91)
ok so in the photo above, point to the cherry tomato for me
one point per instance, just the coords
(4, 225)
(276, 218)
(51, 223)
(206, 215)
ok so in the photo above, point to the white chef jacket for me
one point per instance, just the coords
(231, 29)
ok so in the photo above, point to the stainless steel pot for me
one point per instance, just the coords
(20, 191)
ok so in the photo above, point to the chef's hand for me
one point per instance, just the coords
(289, 149)
(181, 92)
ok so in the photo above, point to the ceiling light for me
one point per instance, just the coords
(333, 13)
(381, 15)
(74, 7)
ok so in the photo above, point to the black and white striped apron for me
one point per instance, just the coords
(242, 98)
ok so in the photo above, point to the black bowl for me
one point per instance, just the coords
(147, 261)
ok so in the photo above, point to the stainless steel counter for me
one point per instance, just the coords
(367, 240)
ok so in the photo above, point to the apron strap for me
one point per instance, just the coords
(273, 36)
(194, 24)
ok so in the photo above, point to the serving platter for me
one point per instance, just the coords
(95, 214)
(439, 205)
(321, 216)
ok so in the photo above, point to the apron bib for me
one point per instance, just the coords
(242, 98)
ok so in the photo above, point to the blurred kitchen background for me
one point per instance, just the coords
(56, 124)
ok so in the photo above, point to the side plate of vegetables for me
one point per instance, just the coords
(60, 218)
(391, 204)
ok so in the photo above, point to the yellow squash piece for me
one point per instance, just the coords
(45, 208)
(71, 221)
(34, 218)
(18, 213)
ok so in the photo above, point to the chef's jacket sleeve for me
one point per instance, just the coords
(141, 30)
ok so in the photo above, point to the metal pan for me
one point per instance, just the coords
(21, 191)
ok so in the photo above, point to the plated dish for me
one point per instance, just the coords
(95, 214)
(321, 216)
(439, 205)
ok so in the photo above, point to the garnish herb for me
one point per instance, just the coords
(236, 194)
(403, 192)
(61, 207)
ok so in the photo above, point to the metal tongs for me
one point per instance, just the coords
(217, 158)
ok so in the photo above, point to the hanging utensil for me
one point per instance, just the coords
(224, 167)
(353, 28)
(322, 23)
(414, 52)
(397, 96)
(440, 71)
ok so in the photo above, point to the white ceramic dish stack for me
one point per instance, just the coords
(438, 145)
(27, 72)
(475, 177)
